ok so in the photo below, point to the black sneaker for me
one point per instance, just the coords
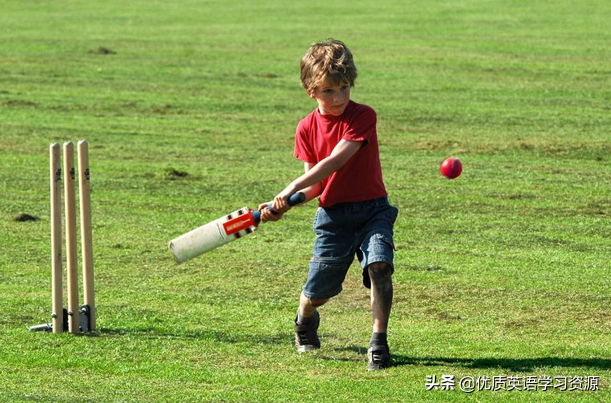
(306, 338)
(379, 357)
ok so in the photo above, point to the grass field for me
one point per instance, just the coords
(504, 271)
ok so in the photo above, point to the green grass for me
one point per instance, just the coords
(504, 271)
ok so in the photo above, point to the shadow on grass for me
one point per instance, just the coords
(212, 335)
(513, 364)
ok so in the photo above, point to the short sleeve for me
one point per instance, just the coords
(362, 127)
(303, 148)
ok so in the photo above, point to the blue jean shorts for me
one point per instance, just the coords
(364, 229)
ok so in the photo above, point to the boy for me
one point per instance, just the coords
(338, 144)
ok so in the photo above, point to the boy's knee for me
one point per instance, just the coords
(379, 271)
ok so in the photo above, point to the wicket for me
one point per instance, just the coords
(73, 319)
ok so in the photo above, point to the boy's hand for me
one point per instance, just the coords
(267, 215)
(281, 202)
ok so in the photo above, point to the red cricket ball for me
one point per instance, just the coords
(451, 168)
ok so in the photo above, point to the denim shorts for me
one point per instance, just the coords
(364, 229)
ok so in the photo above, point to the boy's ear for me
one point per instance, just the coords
(311, 93)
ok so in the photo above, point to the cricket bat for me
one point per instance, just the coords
(222, 231)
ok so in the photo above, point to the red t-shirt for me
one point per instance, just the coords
(360, 178)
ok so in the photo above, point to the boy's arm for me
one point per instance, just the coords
(311, 192)
(314, 190)
(343, 151)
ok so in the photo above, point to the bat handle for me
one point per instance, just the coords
(294, 199)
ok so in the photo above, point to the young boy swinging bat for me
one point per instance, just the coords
(338, 145)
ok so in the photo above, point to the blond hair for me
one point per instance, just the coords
(329, 59)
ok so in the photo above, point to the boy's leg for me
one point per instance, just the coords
(376, 256)
(378, 353)
(380, 274)
(333, 253)
(307, 306)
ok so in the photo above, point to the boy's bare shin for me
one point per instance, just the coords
(381, 295)
(307, 306)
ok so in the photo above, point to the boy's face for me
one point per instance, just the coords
(332, 99)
